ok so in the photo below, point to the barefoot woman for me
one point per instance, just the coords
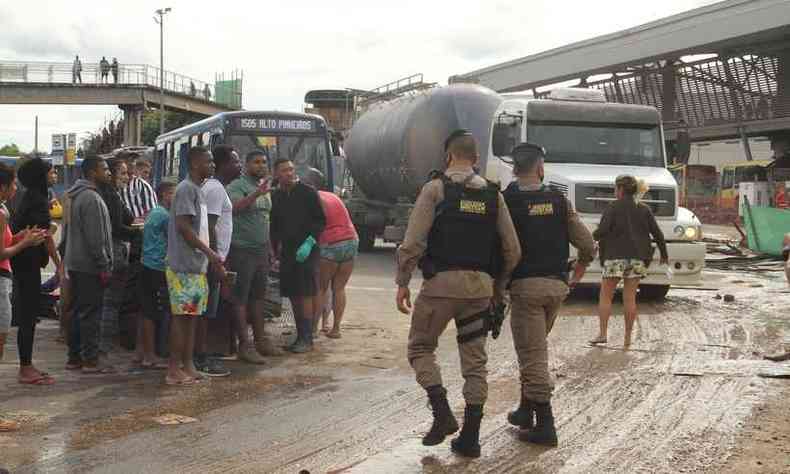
(626, 250)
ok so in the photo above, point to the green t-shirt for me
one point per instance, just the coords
(251, 225)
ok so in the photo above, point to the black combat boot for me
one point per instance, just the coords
(444, 422)
(524, 416)
(544, 432)
(468, 442)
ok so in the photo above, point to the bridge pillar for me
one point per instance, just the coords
(132, 124)
(668, 92)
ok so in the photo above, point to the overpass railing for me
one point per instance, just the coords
(91, 75)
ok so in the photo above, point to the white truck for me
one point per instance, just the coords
(589, 142)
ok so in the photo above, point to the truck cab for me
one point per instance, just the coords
(589, 142)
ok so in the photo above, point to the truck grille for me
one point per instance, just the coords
(594, 198)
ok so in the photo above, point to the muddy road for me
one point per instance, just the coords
(684, 399)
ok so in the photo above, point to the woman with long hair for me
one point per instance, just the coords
(625, 235)
(32, 212)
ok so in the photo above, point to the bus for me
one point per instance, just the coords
(733, 174)
(302, 138)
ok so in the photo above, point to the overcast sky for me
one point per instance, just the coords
(286, 48)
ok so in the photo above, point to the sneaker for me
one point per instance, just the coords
(211, 367)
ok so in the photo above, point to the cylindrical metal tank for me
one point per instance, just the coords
(393, 147)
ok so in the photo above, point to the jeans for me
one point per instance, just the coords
(87, 295)
(113, 297)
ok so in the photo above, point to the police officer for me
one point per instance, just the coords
(546, 223)
(458, 222)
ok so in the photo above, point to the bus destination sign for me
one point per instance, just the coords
(273, 124)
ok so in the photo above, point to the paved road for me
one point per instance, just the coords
(674, 403)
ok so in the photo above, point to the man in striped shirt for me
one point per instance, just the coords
(138, 195)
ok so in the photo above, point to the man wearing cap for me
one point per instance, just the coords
(546, 224)
(457, 230)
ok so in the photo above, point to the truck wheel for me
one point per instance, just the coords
(367, 239)
(653, 292)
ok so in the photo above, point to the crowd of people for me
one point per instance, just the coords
(167, 257)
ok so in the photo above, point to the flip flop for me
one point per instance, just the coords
(333, 335)
(598, 340)
(74, 366)
(40, 380)
(8, 425)
(105, 370)
(154, 366)
(171, 382)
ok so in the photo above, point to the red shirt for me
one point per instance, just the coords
(338, 222)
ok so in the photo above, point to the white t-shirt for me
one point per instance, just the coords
(218, 204)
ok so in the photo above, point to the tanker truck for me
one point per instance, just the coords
(393, 147)
(589, 141)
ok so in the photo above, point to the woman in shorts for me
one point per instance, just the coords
(339, 244)
(625, 235)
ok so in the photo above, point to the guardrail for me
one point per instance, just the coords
(91, 75)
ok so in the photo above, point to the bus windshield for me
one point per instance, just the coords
(598, 144)
(305, 151)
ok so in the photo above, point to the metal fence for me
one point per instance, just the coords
(709, 91)
(91, 75)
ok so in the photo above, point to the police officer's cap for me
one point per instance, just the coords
(461, 132)
(528, 150)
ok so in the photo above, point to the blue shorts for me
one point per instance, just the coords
(340, 252)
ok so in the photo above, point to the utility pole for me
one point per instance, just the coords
(35, 146)
(161, 20)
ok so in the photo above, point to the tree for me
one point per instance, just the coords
(10, 150)
(173, 120)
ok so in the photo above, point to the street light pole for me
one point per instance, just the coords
(161, 20)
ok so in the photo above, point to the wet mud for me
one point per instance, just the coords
(688, 397)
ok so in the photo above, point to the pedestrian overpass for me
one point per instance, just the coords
(717, 72)
(136, 89)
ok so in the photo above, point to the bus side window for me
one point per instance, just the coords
(159, 164)
(216, 139)
(172, 160)
(727, 178)
(181, 166)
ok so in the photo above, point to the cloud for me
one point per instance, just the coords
(288, 48)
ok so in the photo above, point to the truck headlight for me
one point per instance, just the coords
(691, 233)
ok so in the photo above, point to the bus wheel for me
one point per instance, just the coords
(653, 292)
(367, 239)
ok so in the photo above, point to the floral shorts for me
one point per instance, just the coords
(624, 268)
(188, 293)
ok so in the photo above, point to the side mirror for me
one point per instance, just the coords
(506, 134)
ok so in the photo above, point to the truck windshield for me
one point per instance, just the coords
(598, 144)
(305, 151)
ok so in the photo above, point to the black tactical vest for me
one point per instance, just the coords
(464, 234)
(541, 221)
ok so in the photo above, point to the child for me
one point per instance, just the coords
(151, 283)
(11, 245)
